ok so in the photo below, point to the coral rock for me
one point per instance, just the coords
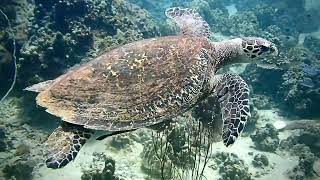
(266, 138)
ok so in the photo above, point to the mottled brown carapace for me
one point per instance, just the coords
(138, 84)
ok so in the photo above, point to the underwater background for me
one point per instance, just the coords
(281, 140)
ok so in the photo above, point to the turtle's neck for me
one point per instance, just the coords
(227, 52)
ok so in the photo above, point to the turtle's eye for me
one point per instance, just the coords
(265, 48)
(254, 47)
(271, 49)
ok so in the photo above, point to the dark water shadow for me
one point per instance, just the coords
(36, 116)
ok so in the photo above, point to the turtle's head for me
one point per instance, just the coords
(242, 50)
(255, 46)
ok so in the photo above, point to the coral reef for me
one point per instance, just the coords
(301, 90)
(260, 160)
(3, 144)
(156, 8)
(312, 43)
(19, 170)
(306, 161)
(261, 101)
(54, 35)
(308, 135)
(95, 172)
(260, 79)
(22, 149)
(215, 13)
(120, 141)
(231, 167)
(18, 14)
(305, 145)
(23, 142)
(266, 138)
(64, 33)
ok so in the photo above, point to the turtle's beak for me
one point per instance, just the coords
(273, 50)
(270, 48)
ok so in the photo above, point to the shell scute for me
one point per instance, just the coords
(136, 85)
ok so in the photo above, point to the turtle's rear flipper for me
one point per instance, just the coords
(233, 94)
(63, 145)
(40, 86)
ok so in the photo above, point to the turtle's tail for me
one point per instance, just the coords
(63, 145)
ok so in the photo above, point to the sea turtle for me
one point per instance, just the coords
(147, 82)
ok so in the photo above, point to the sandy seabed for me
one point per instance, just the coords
(128, 161)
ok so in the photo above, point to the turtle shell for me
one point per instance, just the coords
(135, 85)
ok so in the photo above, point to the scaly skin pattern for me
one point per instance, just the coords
(227, 52)
(221, 54)
(135, 85)
(63, 145)
(233, 96)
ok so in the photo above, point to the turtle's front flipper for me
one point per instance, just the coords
(233, 95)
(63, 145)
(189, 21)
